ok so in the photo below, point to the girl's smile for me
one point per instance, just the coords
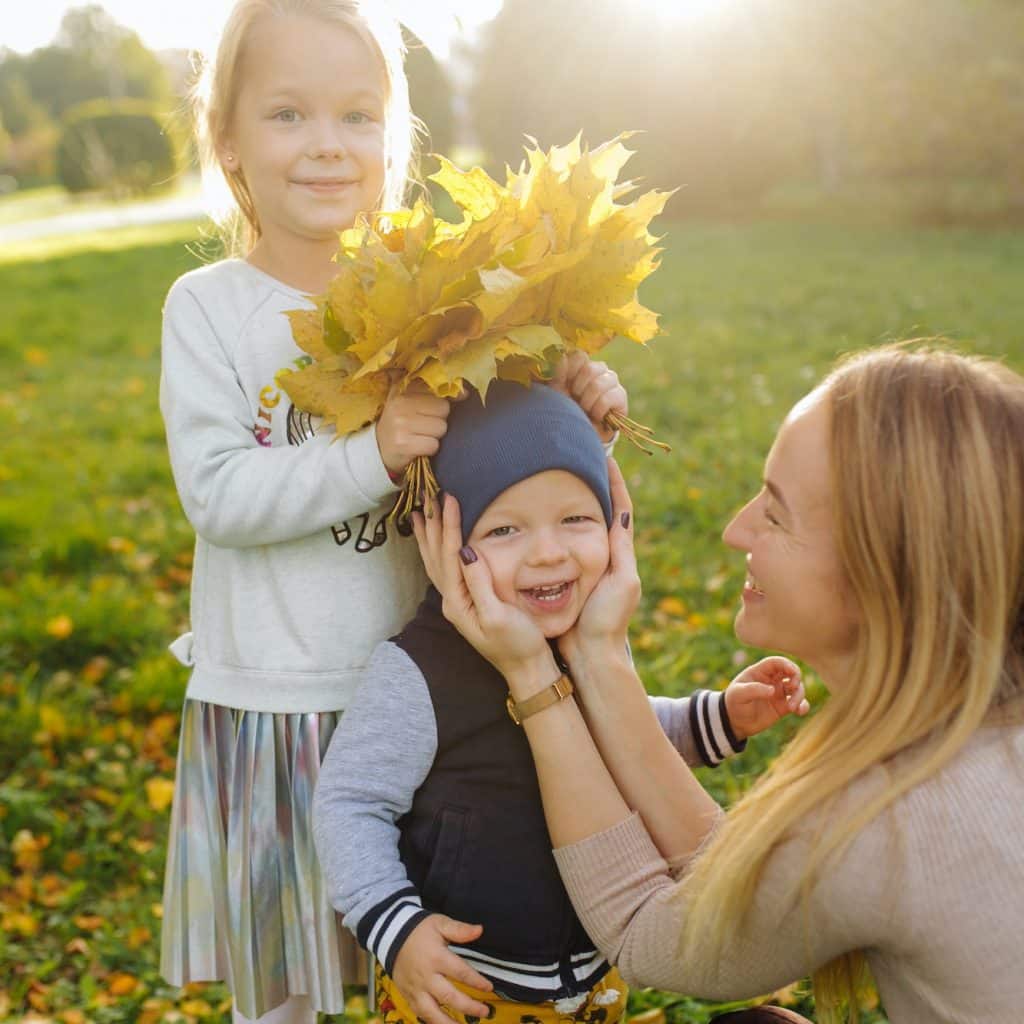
(307, 135)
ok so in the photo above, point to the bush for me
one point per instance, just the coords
(115, 146)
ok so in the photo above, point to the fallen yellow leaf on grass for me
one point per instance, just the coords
(19, 924)
(121, 984)
(72, 861)
(672, 606)
(159, 793)
(60, 627)
(196, 1007)
(655, 1016)
(28, 850)
(74, 1017)
(88, 922)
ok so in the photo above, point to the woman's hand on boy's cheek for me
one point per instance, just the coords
(762, 694)
(595, 388)
(425, 964)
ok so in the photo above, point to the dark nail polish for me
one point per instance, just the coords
(468, 555)
(624, 519)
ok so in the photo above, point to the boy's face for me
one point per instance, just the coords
(545, 542)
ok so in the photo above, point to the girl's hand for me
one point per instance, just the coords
(762, 694)
(506, 636)
(604, 620)
(411, 424)
(425, 963)
(595, 388)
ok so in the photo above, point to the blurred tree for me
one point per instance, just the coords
(431, 95)
(93, 57)
(704, 92)
(738, 98)
(19, 111)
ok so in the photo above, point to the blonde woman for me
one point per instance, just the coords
(885, 550)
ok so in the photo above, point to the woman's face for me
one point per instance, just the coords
(796, 597)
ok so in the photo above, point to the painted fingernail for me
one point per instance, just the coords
(624, 519)
(468, 555)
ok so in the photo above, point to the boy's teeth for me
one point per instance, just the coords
(549, 593)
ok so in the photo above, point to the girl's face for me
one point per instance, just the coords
(796, 598)
(545, 542)
(308, 129)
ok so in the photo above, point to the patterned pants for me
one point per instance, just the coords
(605, 1003)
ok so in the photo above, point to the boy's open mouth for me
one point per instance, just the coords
(550, 596)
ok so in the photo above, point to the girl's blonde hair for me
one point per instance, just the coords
(927, 477)
(217, 88)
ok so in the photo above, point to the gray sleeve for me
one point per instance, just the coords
(698, 727)
(378, 757)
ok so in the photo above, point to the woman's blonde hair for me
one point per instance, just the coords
(927, 478)
(217, 88)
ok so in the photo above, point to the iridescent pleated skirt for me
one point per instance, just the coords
(244, 899)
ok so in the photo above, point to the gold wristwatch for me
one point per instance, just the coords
(522, 709)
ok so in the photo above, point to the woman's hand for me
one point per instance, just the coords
(506, 636)
(600, 630)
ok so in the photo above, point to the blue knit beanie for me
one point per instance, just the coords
(517, 432)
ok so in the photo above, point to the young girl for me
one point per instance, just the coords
(297, 575)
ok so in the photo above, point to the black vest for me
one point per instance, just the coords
(475, 843)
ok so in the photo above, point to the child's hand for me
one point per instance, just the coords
(595, 388)
(762, 694)
(425, 963)
(411, 424)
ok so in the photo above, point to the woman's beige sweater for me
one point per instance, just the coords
(932, 890)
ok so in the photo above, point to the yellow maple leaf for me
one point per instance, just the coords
(159, 793)
(547, 262)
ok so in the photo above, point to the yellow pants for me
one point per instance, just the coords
(605, 1003)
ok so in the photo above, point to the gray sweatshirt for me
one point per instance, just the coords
(296, 575)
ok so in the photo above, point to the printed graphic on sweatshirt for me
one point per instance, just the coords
(301, 426)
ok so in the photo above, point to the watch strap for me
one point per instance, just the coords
(520, 710)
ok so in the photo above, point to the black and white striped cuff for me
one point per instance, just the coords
(384, 929)
(712, 730)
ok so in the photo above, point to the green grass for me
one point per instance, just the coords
(95, 554)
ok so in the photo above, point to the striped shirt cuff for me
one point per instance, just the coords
(712, 730)
(384, 929)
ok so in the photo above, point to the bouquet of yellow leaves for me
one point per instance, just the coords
(545, 264)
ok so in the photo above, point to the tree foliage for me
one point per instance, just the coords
(120, 147)
(431, 95)
(92, 57)
(757, 92)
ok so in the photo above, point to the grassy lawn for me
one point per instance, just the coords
(95, 554)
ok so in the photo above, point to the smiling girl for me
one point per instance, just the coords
(297, 574)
